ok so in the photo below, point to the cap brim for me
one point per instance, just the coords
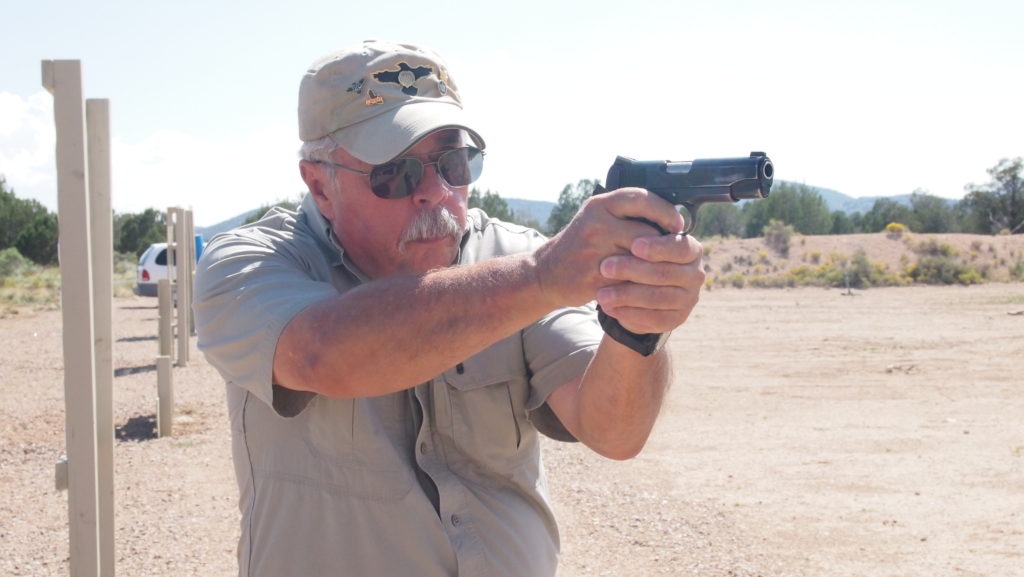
(383, 137)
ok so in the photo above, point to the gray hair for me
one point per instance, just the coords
(319, 149)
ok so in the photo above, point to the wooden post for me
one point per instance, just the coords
(190, 234)
(164, 396)
(63, 79)
(97, 120)
(165, 321)
(182, 283)
(172, 251)
(164, 374)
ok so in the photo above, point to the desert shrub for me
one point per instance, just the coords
(777, 236)
(939, 263)
(937, 269)
(1017, 270)
(12, 263)
(932, 247)
(855, 271)
(859, 273)
(764, 281)
(895, 230)
(970, 276)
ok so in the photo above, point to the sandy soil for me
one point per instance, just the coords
(808, 432)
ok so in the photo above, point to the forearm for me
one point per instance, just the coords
(612, 408)
(397, 332)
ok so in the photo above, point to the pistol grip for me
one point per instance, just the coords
(645, 344)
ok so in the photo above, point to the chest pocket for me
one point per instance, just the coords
(360, 447)
(487, 396)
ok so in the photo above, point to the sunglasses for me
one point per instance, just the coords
(399, 178)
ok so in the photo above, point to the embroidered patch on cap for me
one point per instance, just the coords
(406, 76)
(372, 98)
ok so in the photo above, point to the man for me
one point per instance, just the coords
(391, 356)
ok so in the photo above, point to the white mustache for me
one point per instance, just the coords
(434, 223)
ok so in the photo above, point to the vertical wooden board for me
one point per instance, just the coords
(97, 122)
(63, 78)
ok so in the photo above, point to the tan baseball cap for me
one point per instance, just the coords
(378, 99)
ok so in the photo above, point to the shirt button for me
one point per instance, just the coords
(456, 521)
(424, 448)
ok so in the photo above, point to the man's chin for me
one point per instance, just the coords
(429, 254)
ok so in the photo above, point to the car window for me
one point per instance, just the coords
(161, 258)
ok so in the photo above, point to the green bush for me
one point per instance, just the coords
(970, 276)
(12, 263)
(936, 269)
(777, 236)
(1017, 270)
(37, 241)
(940, 263)
(932, 247)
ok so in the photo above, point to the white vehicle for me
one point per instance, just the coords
(152, 267)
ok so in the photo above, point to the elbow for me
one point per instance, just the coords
(620, 449)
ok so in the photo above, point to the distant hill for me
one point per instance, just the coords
(848, 204)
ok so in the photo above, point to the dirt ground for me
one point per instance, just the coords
(808, 432)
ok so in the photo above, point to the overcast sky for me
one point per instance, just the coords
(867, 98)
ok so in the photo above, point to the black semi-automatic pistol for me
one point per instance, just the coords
(693, 183)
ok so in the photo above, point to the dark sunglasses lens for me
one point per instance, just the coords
(462, 166)
(396, 179)
(399, 179)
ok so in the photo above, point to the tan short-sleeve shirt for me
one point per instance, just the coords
(443, 479)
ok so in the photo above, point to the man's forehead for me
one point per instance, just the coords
(444, 138)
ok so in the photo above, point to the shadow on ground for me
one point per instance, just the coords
(140, 428)
(125, 371)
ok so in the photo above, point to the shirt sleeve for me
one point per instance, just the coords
(249, 285)
(558, 348)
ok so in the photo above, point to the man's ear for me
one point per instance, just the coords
(313, 175)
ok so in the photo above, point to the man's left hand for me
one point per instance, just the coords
(660, 283)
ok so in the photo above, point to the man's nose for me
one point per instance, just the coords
(432, 189)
